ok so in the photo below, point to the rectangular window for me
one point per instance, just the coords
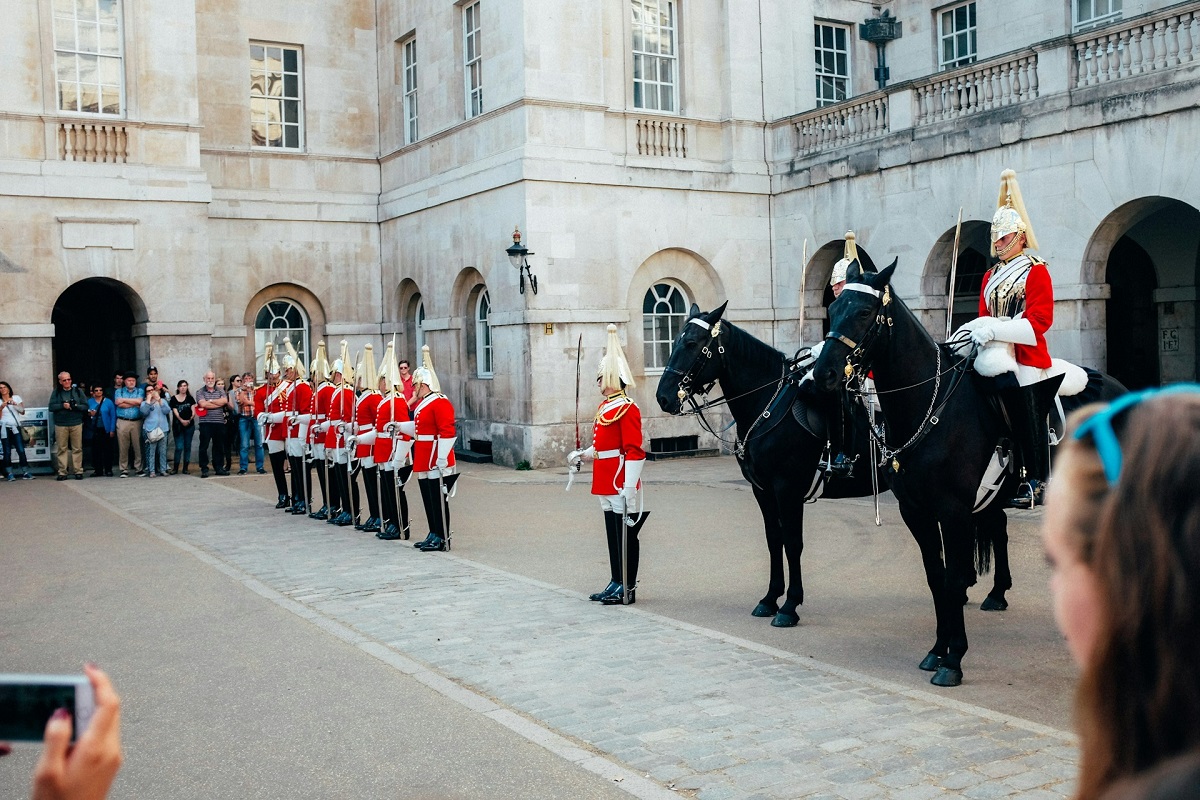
(275, 105)
(655, 56)
(472, 60)
(88, 57)
(833, 64)
(410, 90)
(1094, 13)
(956, 36)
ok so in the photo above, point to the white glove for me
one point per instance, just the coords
(633, 471)
(444, 448)
(576, 456)
(264, 418)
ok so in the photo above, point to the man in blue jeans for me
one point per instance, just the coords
(248, 426)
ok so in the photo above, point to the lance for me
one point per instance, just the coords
(573, 468)
(953, 274)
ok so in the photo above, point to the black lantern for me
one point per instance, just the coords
(517, 255)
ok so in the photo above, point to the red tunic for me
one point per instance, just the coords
(270, 400)
(341, 409)
(1039, 310)
(435, 420)
(299, 400)
(320, 411)
(617, 437)
(392, 409)
(364, 421)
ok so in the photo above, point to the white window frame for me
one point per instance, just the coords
(89, 55)
(970, 53)
(824, 56)
(662, 292)
(408, 49)
(483, 335)
(472, 60)
(278, 333)
(1099, 13)
(264, 96)
(655, 49)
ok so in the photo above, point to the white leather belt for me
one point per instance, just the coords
(607, 454)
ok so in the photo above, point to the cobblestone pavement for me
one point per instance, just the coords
(698, 712)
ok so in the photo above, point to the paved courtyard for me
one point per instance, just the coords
(683, 694)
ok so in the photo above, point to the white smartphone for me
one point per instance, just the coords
(28, 701)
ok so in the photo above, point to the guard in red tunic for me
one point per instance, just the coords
(297, 404)
(317, 420)
(619, 458)
(269, 410)
(433, 452)
(1016, 308)
(363, 439)
(392, 450)
(341, 415)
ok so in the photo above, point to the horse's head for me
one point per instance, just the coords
(692, 367)
(858, 321)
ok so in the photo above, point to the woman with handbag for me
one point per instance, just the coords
(156, 421)
(183, 407)
(13, 436)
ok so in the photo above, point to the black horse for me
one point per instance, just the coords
(777, 454)
(941, 429)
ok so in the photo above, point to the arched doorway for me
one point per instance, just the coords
(94, 331)
(1148, 252)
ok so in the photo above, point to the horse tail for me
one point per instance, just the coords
(985, 542)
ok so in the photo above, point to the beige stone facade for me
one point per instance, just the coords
(160, 232)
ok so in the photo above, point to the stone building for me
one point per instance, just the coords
(178, 185)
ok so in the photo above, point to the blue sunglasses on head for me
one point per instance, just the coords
(1100, 425)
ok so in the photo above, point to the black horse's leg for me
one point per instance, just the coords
(791, 529)
(924, 529)
(996, 523)
(766, 504)
(958, 541)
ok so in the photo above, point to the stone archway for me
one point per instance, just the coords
(99, 329)
(1148, 252)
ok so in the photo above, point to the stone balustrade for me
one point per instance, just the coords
(97, 142)
(1152, 43)
(661, 137)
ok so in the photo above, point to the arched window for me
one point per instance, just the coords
(418, 329)
(664, 310)
(483, 335)
(279, 321)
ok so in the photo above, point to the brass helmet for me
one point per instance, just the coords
(270, 363)
(320, 364)
(424, 374)
(614, 372)
(1010, 216)
(849, 256)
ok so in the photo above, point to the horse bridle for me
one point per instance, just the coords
(686, 391)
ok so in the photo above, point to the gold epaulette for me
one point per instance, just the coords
(603, 421)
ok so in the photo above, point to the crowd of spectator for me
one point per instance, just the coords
(136, 427)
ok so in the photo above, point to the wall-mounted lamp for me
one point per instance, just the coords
(517, 255)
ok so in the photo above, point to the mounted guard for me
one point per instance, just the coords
(619, 459)
(1016, 308)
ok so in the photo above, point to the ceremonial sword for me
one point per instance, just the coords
(578, 465)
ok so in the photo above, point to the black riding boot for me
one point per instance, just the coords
(1028, 410)
(277, 462)
(612, 531)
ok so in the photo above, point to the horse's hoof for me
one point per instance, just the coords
(993, 604)
(946, 676)
(764, 610)
(931, 663)
(783, 620)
